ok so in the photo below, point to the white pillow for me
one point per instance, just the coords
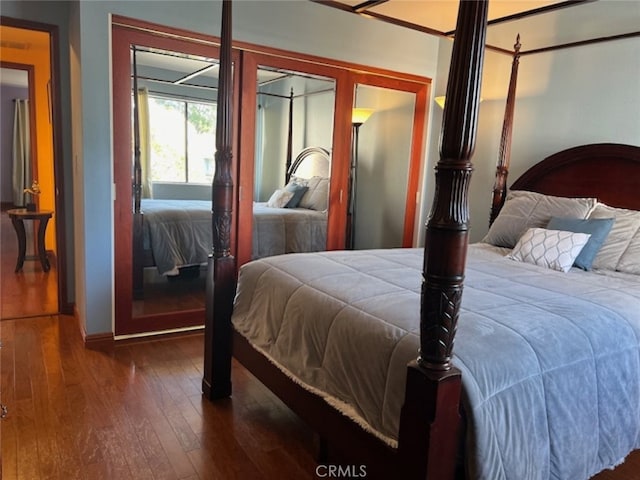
(317, 197)
(554, 249)
(523, 210)
(621, 249)
(280, 198)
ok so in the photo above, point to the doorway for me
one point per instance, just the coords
(28, 92)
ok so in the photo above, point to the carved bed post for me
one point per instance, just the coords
(221, 273)
(433, 384)
(504, 155)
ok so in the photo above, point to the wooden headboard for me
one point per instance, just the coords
(607, 171)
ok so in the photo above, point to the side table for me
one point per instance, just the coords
(18, 216)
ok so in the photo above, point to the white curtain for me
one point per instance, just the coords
(145, 141)
(21, 151)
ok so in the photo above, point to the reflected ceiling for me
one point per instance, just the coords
(543, 25)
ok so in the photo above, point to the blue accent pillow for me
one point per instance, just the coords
(298, 193)
(599, 228)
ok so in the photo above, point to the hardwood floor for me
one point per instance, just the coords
(30, 291)
(135, 412)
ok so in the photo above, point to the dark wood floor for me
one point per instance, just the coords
(136, 412)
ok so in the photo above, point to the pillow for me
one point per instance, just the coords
(626, 225)
(630, 260)
(317, 197)
(599, 228)
(279, 198)
(298, 191)
(554, 249)
(523, 210)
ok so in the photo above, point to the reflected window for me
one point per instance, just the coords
(182, 140)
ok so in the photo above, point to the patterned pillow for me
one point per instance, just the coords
(279, 198)
(554, 249)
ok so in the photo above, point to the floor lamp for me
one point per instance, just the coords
(358, 117)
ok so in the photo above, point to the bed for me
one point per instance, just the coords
(544, 381)
(175, 233)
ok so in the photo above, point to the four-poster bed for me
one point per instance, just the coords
(549, 359)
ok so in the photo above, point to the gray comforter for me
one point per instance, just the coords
(178, 232)
(550, 361)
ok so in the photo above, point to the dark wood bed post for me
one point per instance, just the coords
(138, 257)
(504, 154)
(221, 272)
(287, 173)
(433, 385)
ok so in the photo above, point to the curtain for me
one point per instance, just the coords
(257, 183)
(21, 152)
(145, 141)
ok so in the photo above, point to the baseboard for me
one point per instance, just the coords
(99, 341)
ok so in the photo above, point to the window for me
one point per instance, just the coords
(183, 140)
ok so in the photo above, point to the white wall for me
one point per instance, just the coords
(570, 97)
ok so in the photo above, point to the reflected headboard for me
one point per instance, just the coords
(312, 162)
(607, 171)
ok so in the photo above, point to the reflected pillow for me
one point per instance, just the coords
(523, 210)
(279, 198)
(317, 197)
(599, 228)
(554, 249)
(298, 191)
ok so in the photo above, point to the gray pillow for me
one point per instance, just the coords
(599, 228)
(298, 191)
(523, 210)
(625, 227)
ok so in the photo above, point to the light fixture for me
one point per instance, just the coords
(358, 117)
(440, 101)
(441, 98)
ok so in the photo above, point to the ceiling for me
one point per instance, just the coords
(542, 25)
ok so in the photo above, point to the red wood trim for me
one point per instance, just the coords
(123, 38)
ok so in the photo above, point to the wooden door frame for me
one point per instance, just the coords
(64, 305)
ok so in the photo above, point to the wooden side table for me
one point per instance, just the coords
(18, 216)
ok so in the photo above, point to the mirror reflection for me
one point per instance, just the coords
(381, 154)
(174, 120)
(294, 133)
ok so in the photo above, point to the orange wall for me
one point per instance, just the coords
(37, 54)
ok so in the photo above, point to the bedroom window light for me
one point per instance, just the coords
(182, 140)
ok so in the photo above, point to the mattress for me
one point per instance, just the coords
(550, 361)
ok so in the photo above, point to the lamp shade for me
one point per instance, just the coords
(441, 99)
(360, 115)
